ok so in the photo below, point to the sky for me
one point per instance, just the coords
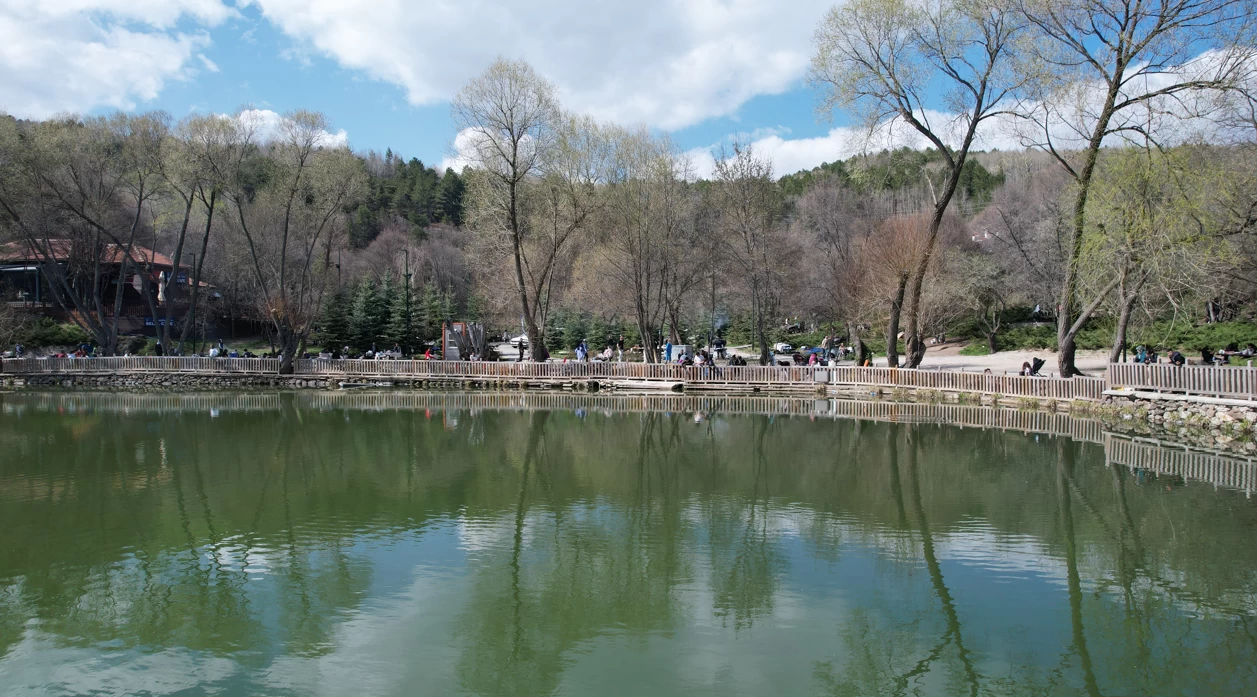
(384, 71)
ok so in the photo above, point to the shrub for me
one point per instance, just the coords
(976, 349)
(48, 332)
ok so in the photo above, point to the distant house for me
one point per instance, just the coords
(23, 281)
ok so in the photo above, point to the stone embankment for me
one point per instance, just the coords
(171, 380)
(193, 381)
(1223, 426)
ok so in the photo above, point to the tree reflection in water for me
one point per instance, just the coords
(728, 554)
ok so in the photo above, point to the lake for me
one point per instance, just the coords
(540, 544)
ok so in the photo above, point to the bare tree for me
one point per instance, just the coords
(289, 203)
(510, 116)
(645, 256)
(750, 206)
(1112, 70)
(76, 192)
(886, 58)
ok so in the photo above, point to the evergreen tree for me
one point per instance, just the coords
(449, 306)
(475, 308)
(364, 323)
(384, 314)
(450, 198)
(431, 311)
(402, 326)
(335, 333)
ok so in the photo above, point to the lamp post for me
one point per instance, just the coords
(409, 332)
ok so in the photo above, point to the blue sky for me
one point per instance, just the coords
(385, 70)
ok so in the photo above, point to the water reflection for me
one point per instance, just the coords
(288, 547)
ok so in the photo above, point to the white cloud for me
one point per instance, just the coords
(75, 55)
(265, 124)
(664, 63)
(790, 155)
(209, 64)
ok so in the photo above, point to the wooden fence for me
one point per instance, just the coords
(1027, 421)
(1208, 381)
(710, 376)
(1219, 469)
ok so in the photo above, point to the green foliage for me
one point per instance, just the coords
(366, 323)
(1098, 335)
(409, 191)
(565, 329)
(402, 328)
(48, 332)
(430, 312)
(892, 170)
(334, 325)
(977, 348)
(450, 198)
(1030, 337)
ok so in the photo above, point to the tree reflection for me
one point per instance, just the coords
(256, 536)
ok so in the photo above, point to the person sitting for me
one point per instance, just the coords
(1249, 351)
(1206, 356)
(1141, 354)
(1177, 359)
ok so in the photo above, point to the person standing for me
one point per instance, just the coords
(667, 351)
(619, 349)
(158, 349)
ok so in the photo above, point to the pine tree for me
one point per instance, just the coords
(364, 324)
(402, 325)
(431, 311)
(450, 198)
(335, 322)
(384, 313)
(449, 306)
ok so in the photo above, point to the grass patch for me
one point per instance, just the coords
(976, 349)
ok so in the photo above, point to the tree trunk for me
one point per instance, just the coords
(1067, 327)
(892, 329)
(649, 354)
(190, 318)
(288, 348)
(857, 343)
(1119, 335)
(990, 341)
(765, 356)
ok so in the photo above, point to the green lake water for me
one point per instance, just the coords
(282, 545)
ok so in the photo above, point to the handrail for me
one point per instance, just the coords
(351, 369)
(1207, 381)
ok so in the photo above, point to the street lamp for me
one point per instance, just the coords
(409, 332)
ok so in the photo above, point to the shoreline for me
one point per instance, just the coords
(1227, 427)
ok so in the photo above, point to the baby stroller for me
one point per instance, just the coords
(1036, 364)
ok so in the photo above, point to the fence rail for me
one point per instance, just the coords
(774, 376)
(1028, 421)
(1166, 458)
(1221, 381)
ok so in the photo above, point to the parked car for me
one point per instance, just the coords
(520, 341)
(782, 347)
